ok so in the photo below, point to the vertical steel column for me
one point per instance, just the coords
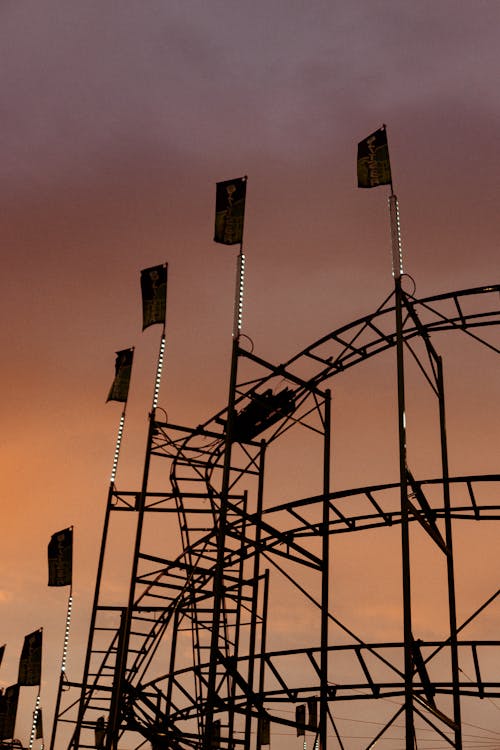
(437, 369)
(218, 585)
(397, 271)
(237, 625)
(449, 559)
(171, 668)
(325, 576)
(255, 594)
(262, 674)
(405, 538)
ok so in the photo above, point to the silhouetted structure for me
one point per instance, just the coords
(190, 657)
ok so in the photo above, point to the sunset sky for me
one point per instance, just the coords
(117, 120)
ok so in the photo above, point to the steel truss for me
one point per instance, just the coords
(189, 656)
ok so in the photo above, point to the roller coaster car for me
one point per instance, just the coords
(263, 411)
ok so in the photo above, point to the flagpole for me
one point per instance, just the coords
(397, 271)
(35, 718)
(161, 353)
(218, 584)
(37, 702)
(239, 293)
(239, 287)
(159, 369)
(118, 444)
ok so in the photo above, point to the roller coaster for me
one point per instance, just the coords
(229, 636)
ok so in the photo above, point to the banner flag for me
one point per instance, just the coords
(39, 725)
(312, 706)
(154, 295)
(374, 167)
(30, 664)
(8, 711)
(123, 369)
(60, 556)
(300, 718)
(230, 211)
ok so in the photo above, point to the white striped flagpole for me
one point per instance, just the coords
(35, 719)
(119, 438)
(397, 271)
(37, 707)
(62, 673)
(396, 247)
(159, 369)
(397, 250)
(161, 353)
(240, 285)
(239, 293)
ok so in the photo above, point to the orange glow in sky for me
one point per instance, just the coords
(117, 124)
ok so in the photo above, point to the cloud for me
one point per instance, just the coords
(84, 83)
